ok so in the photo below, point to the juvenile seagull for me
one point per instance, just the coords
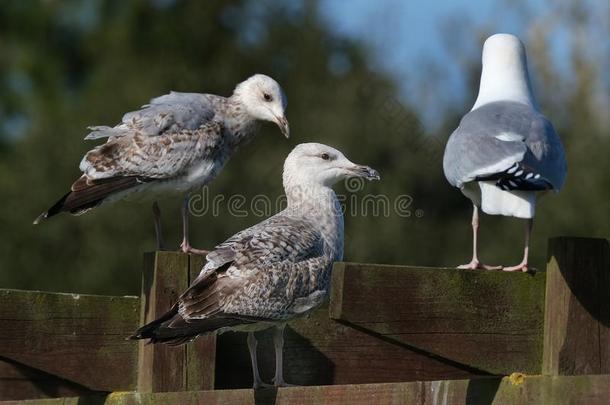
(504, 152)
(176, 144)
(277, 270)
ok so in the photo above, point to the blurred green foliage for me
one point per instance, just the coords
(67, 65)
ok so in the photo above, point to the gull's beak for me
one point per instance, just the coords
(365, 172)
(282, 122)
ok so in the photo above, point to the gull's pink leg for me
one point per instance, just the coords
(158, 230)
(252, 344)
(523, 265)
(474, 263)
(278, 343)
(185, 245)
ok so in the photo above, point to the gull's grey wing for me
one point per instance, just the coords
(509, 142)
(277, 238)
(170, 113)
(272, 271)
(159, 157)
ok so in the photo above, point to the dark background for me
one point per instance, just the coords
(67, 65)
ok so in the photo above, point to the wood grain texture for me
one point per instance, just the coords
(165, 368)
(509, 390)
(604, 324)
(201, 353)
(387, 324)
(479, 320)
(19, 381)
(320, 351)
(577, 315)
(514, 390)
(162, 368)
(47, 338)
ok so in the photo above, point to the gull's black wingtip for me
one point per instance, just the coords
(41, 218)
(54, 210)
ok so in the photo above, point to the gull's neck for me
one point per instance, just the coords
(241, 126)
(505, 80)
(319, 204)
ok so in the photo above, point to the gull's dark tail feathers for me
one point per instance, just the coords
(173, 329)
(158, 332)
(86, 194)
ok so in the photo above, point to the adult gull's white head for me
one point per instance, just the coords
(315, 164)
(504, 76)
(264, 99)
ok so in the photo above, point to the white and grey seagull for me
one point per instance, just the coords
(504, 153)
(174, 145)
(277, 270)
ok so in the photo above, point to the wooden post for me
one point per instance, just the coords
(201, 354)
(165, 276)
(577, 311)
(163, 368)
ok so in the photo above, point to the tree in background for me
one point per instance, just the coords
(67, 65)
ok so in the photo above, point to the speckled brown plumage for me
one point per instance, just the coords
(175, 144)
(271, 272)
(274, 271)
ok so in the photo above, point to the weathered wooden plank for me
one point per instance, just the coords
(165, 368)
(486, 321)
(604, 318)
(514, 390)
(577, 318)
(201, 354)
(46, 338)
(320, 351)
(18, 381)
(227, 397)
(165, 276)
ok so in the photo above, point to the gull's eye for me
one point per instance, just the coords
(267, 97)
(325, 156)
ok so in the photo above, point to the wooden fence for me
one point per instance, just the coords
(389, 327)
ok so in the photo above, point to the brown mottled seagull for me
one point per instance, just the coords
(273, 272)
(176, 144)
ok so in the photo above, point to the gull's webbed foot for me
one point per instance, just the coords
(520, 267)
(187, 248)
(476, 265)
